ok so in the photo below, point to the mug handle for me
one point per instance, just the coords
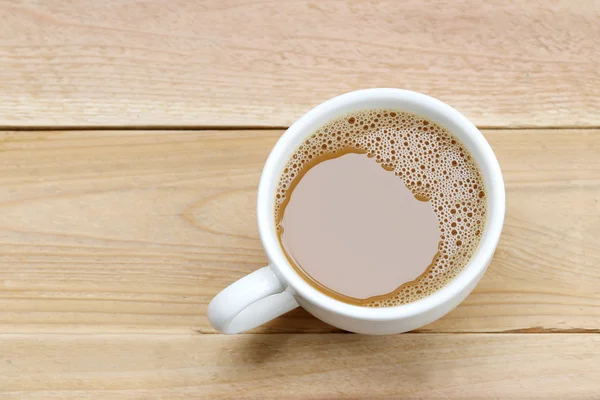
(250, 302)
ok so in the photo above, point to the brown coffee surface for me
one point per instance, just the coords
(353, 234)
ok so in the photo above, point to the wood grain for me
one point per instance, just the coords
(411, 366)
(135, 231)
(265, 63)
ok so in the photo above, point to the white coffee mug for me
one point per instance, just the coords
(276, 289)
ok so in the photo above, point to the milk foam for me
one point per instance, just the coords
(433, 165)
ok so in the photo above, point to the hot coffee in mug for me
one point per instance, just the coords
(379, 203)
(380, 208)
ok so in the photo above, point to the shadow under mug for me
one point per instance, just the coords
(276, 289)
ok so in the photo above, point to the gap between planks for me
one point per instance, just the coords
(243, 128)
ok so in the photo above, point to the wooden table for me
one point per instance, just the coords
(132, 138)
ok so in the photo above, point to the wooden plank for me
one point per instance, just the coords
(265, 63)
(132, 231)
(315, 366)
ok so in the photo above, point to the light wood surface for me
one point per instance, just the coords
(411, 366)
(135, 231)
(265, 63)
(132, 137)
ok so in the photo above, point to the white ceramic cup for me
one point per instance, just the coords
(276, 289)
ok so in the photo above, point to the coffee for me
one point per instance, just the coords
(380, 208)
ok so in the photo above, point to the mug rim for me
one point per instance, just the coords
(325, 111)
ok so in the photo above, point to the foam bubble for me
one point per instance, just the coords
(434, 166)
